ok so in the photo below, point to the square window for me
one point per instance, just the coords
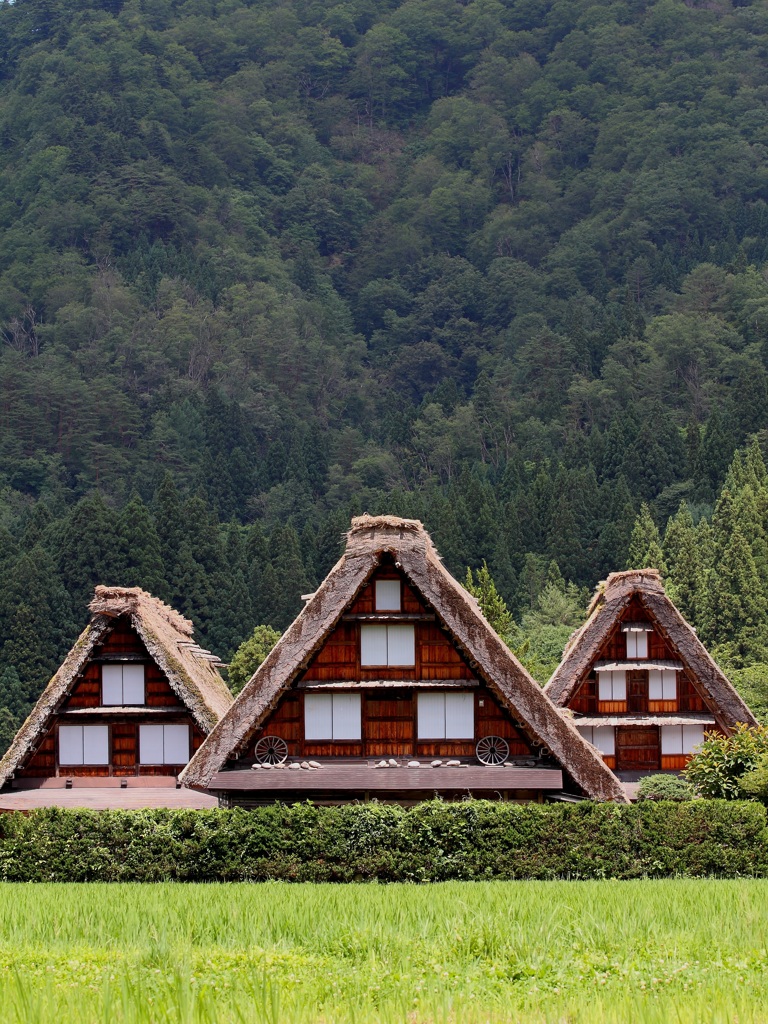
(164, 744)
(332, 716)
(388, 596)
(83, 744)
(446, 716)
(122, 685)
(382, 645)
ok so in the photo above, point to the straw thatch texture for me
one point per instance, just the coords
(168, 639)
(611, 599)
(411, 547)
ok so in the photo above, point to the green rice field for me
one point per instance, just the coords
(274, 953)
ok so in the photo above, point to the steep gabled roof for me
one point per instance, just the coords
(611, 599)
(167, 636)
(406, 540)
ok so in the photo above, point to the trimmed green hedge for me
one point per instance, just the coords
(430, 842)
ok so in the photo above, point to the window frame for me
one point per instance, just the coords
(367, 627)
(606, 731)
(680, 736)
(335, 699)
(468, 701)
(122, 665)
(661, 677)
(163, 726)
(613, 683)
(103, 729)
(389, 583)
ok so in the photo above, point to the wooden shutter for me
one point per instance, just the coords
(637, 748)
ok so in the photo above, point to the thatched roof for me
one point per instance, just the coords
(406, 540)
(611, 599)
(190, 670)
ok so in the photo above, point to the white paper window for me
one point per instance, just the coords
(612, 685)
(401, 645)
(637, 644)
(681, 739)
(693, 736)
(388, 596)
(122, 685)
(388, 645)
(332, 716)
(83, 744)
(662, 684)
(163, 744)
(601, 736)
(446, 716)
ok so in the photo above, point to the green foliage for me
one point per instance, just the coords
(716, 768)
(250, 655)
(432, 841)
(277, 267)
(754, 784)
(481, 586)
(665, 787)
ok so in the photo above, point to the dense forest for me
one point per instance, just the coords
(496, 264)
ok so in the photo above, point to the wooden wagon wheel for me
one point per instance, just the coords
(271, 750)
(492, 750)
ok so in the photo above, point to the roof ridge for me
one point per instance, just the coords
(114, 601)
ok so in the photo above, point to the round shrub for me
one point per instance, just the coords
(665, 787)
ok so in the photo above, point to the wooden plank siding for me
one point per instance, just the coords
(585, 699)
(388, 715)
(638, 748)
(86, 695)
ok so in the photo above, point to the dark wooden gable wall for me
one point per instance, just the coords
(689, 697)
(123, 640)
(389, 714)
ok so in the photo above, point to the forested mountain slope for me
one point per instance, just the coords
(496, 264)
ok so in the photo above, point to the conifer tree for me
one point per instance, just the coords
(89, 548)
(141, 558)
(739, 606)
(8, 728)
(171, 530)
(290, 577)
(480, 585)
(645, 543)
(685, 578)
